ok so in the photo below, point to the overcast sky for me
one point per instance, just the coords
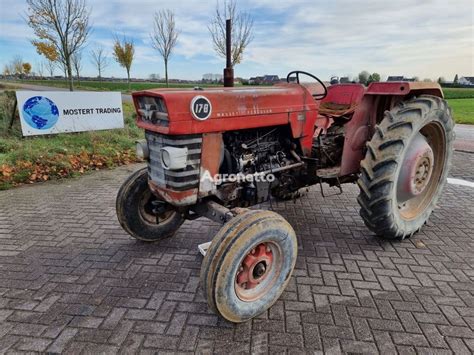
(426, 38)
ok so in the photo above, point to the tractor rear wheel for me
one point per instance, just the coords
(406, 166)
(248, 265)
(137, 210)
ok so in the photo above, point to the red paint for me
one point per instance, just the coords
(289, 104)
(245, 276)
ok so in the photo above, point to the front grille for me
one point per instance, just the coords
(153, 109)
(182, 179)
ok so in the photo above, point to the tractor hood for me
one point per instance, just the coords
(178, 111)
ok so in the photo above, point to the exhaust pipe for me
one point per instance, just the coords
(228, 71)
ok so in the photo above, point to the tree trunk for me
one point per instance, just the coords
(128, 77)
(70, 77)
(166, 72)
(12, 117)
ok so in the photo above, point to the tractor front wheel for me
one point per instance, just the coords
(406, 167)
(248, 265)
(139, 213)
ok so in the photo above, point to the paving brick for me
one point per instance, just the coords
(433, 335)
(285, 339)
(409, 339)
(140, 314)
(86, 322)
(177, 324)
(79, 283)
(61, 341)
(33, 344)
(458, 346)
(161, 342)
(457, 332)
(336, 332)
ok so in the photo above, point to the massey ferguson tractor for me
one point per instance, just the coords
(215, 152)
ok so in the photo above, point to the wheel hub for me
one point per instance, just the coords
(417, 168)
(154, 211)
(255, 267)
(259, 270)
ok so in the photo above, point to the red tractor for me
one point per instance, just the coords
(213, 152)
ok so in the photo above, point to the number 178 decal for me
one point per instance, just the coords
(201, 108)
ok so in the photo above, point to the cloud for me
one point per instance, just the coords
(427, 38)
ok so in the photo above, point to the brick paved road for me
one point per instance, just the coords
(71, 280)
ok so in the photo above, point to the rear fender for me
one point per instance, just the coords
(404, 88)
(378, 98)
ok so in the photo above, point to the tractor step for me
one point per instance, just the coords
(328, 173)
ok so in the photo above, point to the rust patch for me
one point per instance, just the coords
(211, 157)
(175, 198)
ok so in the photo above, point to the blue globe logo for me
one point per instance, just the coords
(40, 112)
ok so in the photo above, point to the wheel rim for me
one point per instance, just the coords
(421, 171)
(258, 271)
(146, 208)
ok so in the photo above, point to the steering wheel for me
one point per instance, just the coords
(298, 72)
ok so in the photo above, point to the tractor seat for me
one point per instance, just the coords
(341, 100)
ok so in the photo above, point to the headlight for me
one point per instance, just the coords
(173, 158)
(142, 149)
(165, 159)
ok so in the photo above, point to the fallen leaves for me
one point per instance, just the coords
(6, 171)
(60, 166)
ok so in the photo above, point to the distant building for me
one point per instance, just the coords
(399, 78)
(264, 80)
(271, 79)
(466, 80)
(255, 80)
(212, 77)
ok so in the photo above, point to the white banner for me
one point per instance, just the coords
(51, 112)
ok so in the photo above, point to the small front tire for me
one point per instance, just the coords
(134, 206)
(248, 265)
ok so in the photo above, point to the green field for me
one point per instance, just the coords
(461, 101)
(109, 85)
(458, 93)
(463, 110)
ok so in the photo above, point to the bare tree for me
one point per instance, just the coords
(242, 27)
(8, 69)
(40, 67)
(164, 36)
(61, 26)
(99, 59)
(50, 67)
(77, 65)
(17, 65)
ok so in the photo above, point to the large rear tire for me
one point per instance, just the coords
(248, 265)
(135, 211)
(406, 167)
